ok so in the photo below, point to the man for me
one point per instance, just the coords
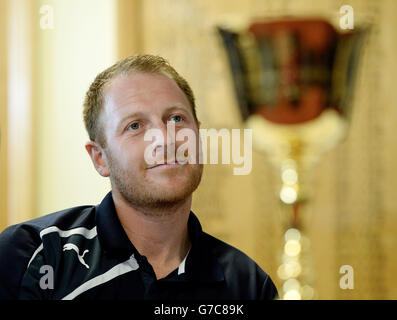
(142, 241)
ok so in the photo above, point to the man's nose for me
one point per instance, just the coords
(164, 137)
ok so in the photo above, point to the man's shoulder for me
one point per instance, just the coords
(65, 219)
(22, 239)
(244, 277)
(20, 242)
(228, 255)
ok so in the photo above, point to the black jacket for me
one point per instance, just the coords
(84, 253)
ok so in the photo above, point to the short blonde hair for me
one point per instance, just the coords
(94, 98)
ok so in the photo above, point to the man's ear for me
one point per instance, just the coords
(98, 158)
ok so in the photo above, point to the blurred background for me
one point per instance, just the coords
(51, 50)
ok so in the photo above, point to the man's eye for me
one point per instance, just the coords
(177, 118)
(134, 126)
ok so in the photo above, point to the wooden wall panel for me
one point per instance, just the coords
(129, 27)
(351, 218)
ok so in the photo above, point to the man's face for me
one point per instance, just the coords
(133, 105)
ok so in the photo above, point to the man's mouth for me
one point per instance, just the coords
(166, 165)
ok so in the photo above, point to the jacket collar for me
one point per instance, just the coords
(201, 264)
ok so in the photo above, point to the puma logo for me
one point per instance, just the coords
(71, 246)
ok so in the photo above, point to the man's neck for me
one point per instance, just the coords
(162, 236)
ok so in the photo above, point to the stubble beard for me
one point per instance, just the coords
(141, 193)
